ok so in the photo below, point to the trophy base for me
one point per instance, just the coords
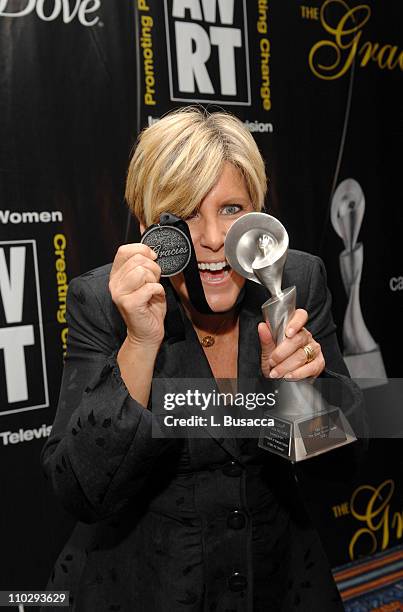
(367, 369)
(297, 438)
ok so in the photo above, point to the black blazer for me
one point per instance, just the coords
(180, 525)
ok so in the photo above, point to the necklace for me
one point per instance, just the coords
(208, 340)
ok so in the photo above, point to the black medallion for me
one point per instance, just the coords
(172, 247)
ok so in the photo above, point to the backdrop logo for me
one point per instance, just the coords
(49, 10)
(23, 381)
(371, 506)
(331, 59)
(207, 48)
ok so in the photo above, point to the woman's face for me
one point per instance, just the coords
(227, 201)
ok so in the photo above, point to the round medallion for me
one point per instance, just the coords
(207, 341)
(172, 247)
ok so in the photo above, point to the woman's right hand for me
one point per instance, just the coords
(138, 295)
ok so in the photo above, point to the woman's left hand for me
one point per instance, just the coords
(288, 359)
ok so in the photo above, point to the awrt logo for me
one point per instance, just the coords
(208, 55)
(23, 382)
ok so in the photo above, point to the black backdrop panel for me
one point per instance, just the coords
(79, 79)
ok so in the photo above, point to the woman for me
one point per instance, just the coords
(195, 525)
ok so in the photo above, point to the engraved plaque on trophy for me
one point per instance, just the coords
(305, 425)
(361, 353)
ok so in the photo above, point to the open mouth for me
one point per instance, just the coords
(214, 272)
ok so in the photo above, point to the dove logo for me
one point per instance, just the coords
(49, 10)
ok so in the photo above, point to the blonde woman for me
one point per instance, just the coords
(187, 525)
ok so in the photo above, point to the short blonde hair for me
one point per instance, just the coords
(179, 159)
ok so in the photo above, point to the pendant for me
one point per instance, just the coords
(207, 341)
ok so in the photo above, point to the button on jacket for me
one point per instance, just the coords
(195, 525)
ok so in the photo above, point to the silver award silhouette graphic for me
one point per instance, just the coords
(361, 353)
(256, 247)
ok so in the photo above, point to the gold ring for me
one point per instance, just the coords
(309, 352)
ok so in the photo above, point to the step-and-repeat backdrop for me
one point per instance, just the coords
(318, 84)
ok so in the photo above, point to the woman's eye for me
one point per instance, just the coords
(231, 209)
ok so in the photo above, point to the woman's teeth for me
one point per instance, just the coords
(215, 272)
(213, 266)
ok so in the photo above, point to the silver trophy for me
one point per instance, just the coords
(361, 353)
(305, 425)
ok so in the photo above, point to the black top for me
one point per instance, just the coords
(184, 525)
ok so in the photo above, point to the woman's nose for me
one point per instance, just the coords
(212, 234)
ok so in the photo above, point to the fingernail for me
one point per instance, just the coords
(272, 363)
(290, 332)
(289, 375)
(273, 374)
